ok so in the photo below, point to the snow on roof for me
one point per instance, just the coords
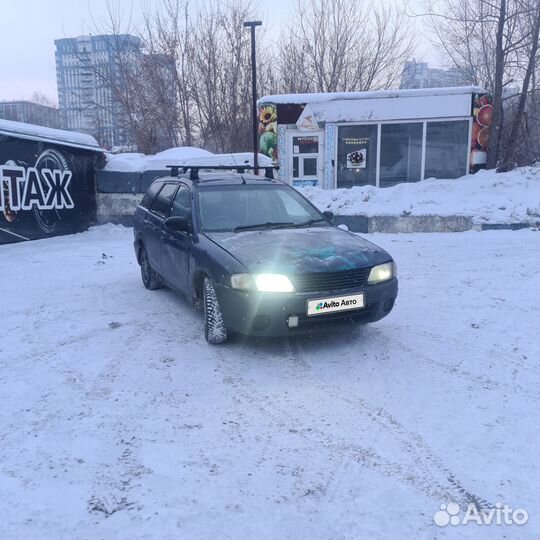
(183, 155)
(32, 132)
(376, 94)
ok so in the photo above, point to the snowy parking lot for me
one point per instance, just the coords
(117, 420)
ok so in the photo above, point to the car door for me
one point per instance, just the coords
(154, 224)
(176, 245)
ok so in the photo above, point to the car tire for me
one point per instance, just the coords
(215, 331)
(150, 278)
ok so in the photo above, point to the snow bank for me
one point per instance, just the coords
(134, 162)
(245, 158)
(486, 197)
(131, 162)
(172, 156)
(201, 158)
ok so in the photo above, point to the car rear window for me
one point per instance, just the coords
(162, 203)
(151, 192)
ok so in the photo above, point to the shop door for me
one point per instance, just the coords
(305, 165)
(357, 155)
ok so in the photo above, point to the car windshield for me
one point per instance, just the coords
(245, 207)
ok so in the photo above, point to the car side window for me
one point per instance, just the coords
(162, 203)
(181, 206)
(150, 194)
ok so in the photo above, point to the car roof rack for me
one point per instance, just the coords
(194, 170)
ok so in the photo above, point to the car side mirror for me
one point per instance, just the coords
(177, 223)
(328, 215)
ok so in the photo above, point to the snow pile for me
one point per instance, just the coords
(173, 156)
(196, 156)
(486, 197)
(129, 162)
(135, 162)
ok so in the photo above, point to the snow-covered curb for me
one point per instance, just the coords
(485, 197)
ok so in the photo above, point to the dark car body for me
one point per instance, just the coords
(321, 260)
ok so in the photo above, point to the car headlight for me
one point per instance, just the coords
(278, 283)
(382, 272)
(244, 282)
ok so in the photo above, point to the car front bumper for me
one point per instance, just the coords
(268, 314)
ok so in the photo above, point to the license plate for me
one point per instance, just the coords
(322, 306)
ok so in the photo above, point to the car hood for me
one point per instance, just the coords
(317, 249)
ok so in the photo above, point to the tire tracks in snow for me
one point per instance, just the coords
(428, 475)
(480, 381)
(117, 480)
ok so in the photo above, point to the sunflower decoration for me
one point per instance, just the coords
(267, 115)
(268, 144)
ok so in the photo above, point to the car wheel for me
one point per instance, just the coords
(215, 331)
(150, 278)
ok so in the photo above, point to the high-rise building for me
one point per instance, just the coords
(420, 75)
(30, 113)
(90, 75)
(414, 75)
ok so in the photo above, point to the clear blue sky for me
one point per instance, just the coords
(28, 29)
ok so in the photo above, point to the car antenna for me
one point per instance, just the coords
(240, 171)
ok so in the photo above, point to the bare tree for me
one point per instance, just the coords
(335, 45)
(495, 42)
(528, 81)
(221, 60)
(344, 45)
(211, 54)
(126, 88)
(168, 32)
(42, 99)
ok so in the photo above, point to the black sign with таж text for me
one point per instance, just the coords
(45, 189)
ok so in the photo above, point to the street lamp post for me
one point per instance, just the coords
(252, 25)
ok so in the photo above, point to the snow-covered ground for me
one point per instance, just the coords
(118, 421)
(487, 197)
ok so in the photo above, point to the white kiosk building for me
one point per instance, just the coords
(377, 138)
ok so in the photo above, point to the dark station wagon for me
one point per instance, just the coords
(257, 256)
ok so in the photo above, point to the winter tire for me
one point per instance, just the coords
(215, 331)
(150, 278)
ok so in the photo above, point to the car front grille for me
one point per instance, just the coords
(330, 281)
